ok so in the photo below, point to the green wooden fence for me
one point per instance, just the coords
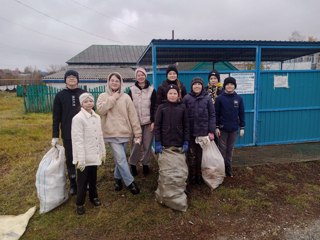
(39, 98)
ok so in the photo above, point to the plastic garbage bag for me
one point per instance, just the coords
(173, 174)
(12, 227)
(51, 179)
(212, 166)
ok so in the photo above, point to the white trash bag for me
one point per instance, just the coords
(51, 179)
(212, 166)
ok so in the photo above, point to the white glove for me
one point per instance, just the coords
(137, 140)
(54, 141)
(103, 159)
(81, 166)
(218, 132)
(241, 132)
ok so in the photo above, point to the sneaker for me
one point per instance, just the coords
(81, 210)
(134, 171)
(117, 185)
(134, 189)
(96, 202)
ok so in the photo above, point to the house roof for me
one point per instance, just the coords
(108, 54)
(95, 73)
(171, 51)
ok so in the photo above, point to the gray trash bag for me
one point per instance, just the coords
(173, 174)
(212, 165)
(51, 179)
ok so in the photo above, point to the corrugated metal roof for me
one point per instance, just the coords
(95, 73)
(108, 54)
(171, 51)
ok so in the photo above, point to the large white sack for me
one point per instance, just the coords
(173, 174)
(212, 165)
(51, 179)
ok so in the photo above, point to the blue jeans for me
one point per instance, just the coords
(121, 170)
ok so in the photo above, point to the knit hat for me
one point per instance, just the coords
(197, 80)
(230, 80)
(140, 69)
(172, 68)
(84, 96)
(214, 73)
(172, 86)
(71, 73)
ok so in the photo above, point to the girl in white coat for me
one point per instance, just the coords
(88, 150)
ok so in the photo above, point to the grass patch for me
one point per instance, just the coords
(25, 138)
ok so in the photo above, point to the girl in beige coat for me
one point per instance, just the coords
(119, 123)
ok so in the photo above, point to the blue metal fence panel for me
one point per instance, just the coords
(288, 115)
(187, 76)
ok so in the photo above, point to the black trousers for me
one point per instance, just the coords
(88, 176)
(67, 144)
(194, 157)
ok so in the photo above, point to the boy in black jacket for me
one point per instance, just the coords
(65, 106)
(230, 116)
(171, 123)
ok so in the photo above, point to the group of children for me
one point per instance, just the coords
(174, 117)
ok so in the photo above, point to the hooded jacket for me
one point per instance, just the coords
(118, 116)
(201, 114)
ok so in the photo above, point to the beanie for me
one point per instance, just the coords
(230, 80)
(71, 73)
(171, 68)
(197, 80)
(84, 96)
(140, 69)
(214, 73)
(172, 86)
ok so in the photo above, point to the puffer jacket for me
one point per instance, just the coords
(171, 124)
(87, 140)
(201, 114)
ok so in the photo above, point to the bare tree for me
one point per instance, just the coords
(296, 37)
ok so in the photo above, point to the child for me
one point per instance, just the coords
(214, 87)
(230, 116)
(172, 136)
(202, 122)
(172, 78)
(88, 150)
(65, 106)
(119, 122)
(144, 99)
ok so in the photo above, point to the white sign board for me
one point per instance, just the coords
(245, 82)
(280, 81)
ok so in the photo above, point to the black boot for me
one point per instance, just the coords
(133, 187)
(117, 185)
(145, 170)
(200, 180)
(133, 170)
(81, 210)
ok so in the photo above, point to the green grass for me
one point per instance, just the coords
(25, 138)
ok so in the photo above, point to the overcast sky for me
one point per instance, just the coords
(40, 33)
